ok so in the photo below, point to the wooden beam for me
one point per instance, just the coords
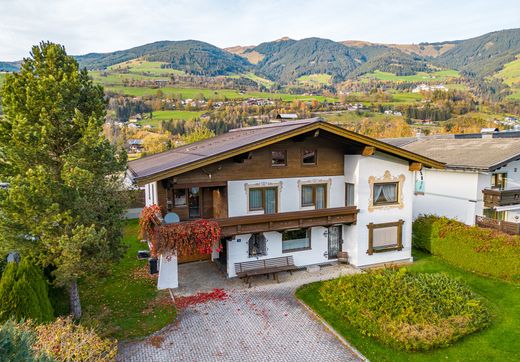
(368, 151)
(415, 166)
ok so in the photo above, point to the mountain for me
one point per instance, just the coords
(286, 60)
(9, 66)
(393, 61)
(483, 55)
(191, 56)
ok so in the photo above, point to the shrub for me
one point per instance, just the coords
(16, 344)
(23, 292)
(66, 341)
(404, 310)
(475, 249)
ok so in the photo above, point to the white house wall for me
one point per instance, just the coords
(358, 170)
(453, 194)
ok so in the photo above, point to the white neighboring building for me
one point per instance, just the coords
(482, 176)
(306, 189)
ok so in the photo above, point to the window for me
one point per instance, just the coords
(257, 245)
(498, 181)
(278, 158)
(314, 195)
(385, 237)
(349, 194)
(295, 240)
(263, 198)
(179, 197)
(493, 214)
(386, 193)
(309, 157)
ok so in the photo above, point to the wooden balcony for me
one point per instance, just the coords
(494, 198)
(287, 220)
(507, 227)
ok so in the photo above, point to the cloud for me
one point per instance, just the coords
(100, 26)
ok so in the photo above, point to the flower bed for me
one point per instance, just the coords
(406, 311)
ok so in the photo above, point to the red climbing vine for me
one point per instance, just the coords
(183, 238)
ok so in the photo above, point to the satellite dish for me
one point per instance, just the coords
(171, 218)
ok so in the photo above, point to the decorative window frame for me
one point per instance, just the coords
(386, 178)
(372, 226)
(264, 185)
(327, 182)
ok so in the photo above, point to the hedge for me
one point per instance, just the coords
(475, 249)
(406, 311)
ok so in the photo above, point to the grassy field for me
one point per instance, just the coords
(315, 79)
(216, 94)
(499, 342)
(511, 76)
(265, 82)
(159, 116)
(122, 304)
(441, 75)
(140, 66)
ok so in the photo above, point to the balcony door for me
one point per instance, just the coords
(194, 203)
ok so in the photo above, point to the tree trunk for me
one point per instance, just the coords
(75, 304)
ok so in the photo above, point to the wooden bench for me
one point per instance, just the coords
(248, 269)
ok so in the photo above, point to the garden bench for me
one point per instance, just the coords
(248, 269)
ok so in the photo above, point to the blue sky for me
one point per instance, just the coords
(105, 25)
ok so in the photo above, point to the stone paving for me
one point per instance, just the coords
(262, 323)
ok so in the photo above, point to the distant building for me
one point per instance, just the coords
(287, 116)
(429, 88)
(135, 145)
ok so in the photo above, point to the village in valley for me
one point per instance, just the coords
(290, 198)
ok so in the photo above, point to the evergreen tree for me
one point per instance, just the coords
(37, 283)
(63, 205)
(6, 291)
(16, 344)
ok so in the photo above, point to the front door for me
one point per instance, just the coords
(194, 201)
(335, 241)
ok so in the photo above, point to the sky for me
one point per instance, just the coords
(85, 26)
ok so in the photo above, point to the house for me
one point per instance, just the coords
(287, 116)
(306, 189)
(429, 88)
(481, 182)
(135, 145)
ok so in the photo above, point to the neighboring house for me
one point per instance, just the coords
(288, 116)
(306, 188)
(482, 176)
(135, 145)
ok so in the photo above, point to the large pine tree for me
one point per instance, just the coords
(63, 205)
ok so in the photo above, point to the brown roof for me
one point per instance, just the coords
(486, 154)
(238, 141)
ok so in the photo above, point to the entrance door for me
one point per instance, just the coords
(194, 203)
(335, 241)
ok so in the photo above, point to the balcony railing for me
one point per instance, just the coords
(494, 198)
(507, 227)
(287, 220)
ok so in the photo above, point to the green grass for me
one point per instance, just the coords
(511, 76)
(119, 305)
(143, 66)
(265, 82)
(406, 97)
(216, 94)
(315, 79)
(159, 116)
(437, 76)
(499, 342)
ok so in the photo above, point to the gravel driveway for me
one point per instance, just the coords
(263, 323)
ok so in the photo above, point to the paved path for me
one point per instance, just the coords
(264, 323)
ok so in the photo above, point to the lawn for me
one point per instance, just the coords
(499, 342)
(140, 66)
(441, 75)
(122, 304)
